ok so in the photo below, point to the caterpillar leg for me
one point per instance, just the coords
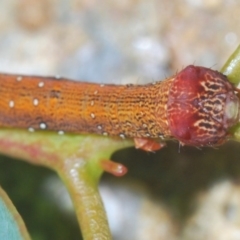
(148, 145)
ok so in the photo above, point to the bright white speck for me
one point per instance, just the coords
(19, 79)
(60, 132)
(43, 125)
(92, 103)
(30, 129)
(41, 84)
(102, 85)
(92, 115)
(99, 127)
(11, 104)
(105, 133)
(35, 102)
(96, 92)
(121, 135)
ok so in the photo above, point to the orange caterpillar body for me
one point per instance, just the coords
(62, 105)
(193, 107)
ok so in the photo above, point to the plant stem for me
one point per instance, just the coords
(232, 67)
(77, 160)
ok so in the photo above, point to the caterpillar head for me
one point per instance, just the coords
(202, 106)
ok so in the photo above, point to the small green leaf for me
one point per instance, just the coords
(11, 225)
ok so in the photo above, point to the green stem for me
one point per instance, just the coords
(87, 201)
(81, 174)
(232, 67)
(232, 70)
(77, 160)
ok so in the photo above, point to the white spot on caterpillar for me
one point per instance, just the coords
(92, 115)
(96, 92)
(60, 132)
(121, 135)
(11, 104)
(105, 133)
(35, 102)
(144, 125)
(92, 103)
(102, 85)
(31, 129)
(43, 125)
(19, 78)
(147, 135)
(99, 127)
(41, 84)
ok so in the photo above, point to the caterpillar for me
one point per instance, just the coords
(197, 107)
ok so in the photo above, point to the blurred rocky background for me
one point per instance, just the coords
(177, 193)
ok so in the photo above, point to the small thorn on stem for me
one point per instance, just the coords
(116, 169)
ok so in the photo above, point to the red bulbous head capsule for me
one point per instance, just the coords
(202, 106)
